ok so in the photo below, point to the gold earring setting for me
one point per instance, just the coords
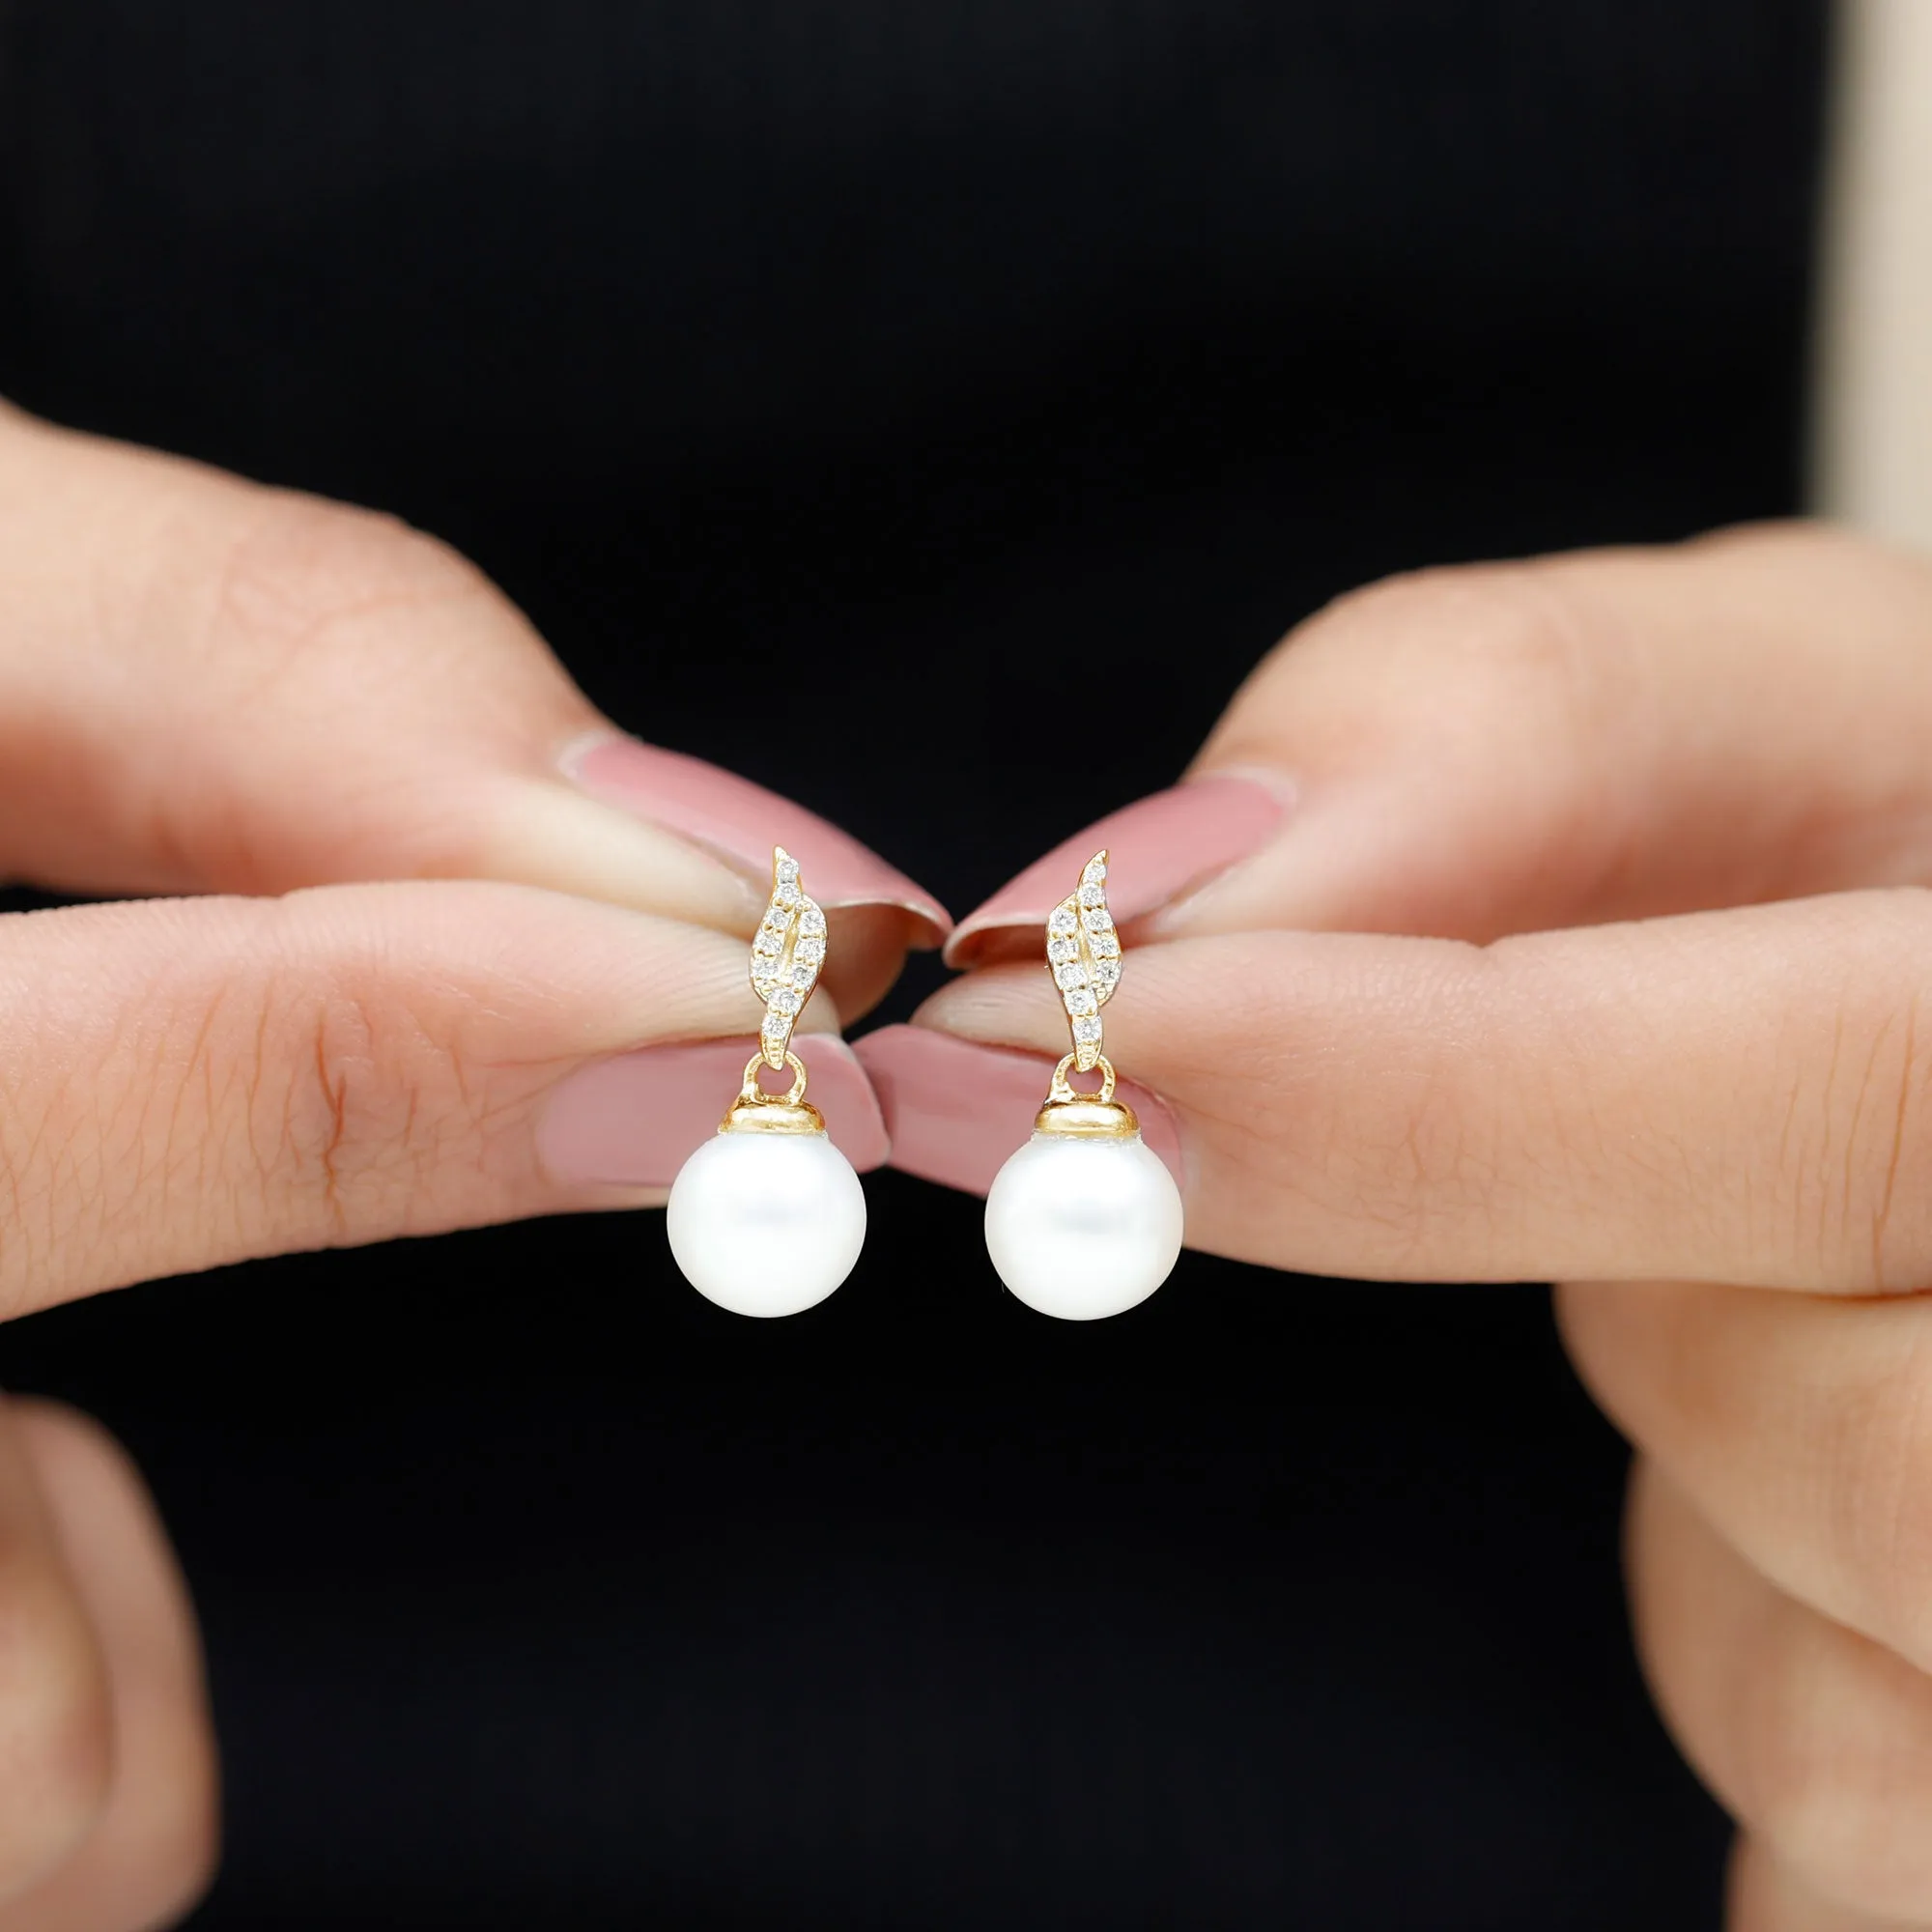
(767, 1218)
(1084, 1220)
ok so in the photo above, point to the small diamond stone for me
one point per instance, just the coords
(787, 895)
(1093, 871)
(811, 921)
(769, 941)
(1073, 975)
(779, 917)
(803, 976)
(1099, 919)
(1106, 972)
(787, 871)
(1105, 945)
(811, 951)
(1060, 920)
(1092, 893)
(1086, 1030)
(1081, 1000)
(785, 1001)
(776, 1026)
(1059, 951)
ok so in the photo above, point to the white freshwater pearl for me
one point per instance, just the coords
(766, 1224)
(1083, 1228)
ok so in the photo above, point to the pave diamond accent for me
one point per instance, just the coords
(1083, 953)
(787, 953)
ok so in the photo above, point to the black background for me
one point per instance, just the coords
(943, 358)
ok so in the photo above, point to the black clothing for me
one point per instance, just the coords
(1017, 341)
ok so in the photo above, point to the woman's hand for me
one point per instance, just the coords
(1660, 824)
(209, 688)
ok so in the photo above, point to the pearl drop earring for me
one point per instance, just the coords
(767, 1217)
(1085, 1219)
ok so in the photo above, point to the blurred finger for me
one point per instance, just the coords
(151, 1850)
(1816, 1739)
(1505, 748)
(1766, 1897)
(1801, 1427)
(56, 1729)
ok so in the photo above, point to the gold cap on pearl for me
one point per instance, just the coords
(1086, 1115)
(1088, 1119)
(756, 1111)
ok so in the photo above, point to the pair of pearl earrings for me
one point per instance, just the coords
(767, 1218)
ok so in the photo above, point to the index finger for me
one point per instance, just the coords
(1725, 1097)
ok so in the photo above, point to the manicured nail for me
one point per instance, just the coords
(741, 822)
(1158, 850)
(633, 1121)
(955, 1110)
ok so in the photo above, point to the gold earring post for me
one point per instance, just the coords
(1083, 954)
(788, 952)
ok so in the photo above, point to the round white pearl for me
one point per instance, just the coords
(1083, 1228)
(766, 1224)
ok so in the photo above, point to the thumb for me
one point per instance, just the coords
(207, 686)
(1472, 753)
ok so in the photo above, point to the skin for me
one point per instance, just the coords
(211, 689)
(1597, 951)
(1594, 952)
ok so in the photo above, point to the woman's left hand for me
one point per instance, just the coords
(1660, 824)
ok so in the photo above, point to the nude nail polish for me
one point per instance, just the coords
(1160, 850)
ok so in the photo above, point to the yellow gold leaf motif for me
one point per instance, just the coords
(1083, 954)
(787, 953)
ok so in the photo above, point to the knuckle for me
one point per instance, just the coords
(1499, 635)
(301, 571)
(1436, 1150)
(362, 1112)
(1444, 656)
(1442, 669)
(1857, 1124)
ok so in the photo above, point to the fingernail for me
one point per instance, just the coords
(955, 1110)
(633, 1121)
(1158, 850)
(741, 822)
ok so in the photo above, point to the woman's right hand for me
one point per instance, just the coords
(207, 688)
(1569, 920)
